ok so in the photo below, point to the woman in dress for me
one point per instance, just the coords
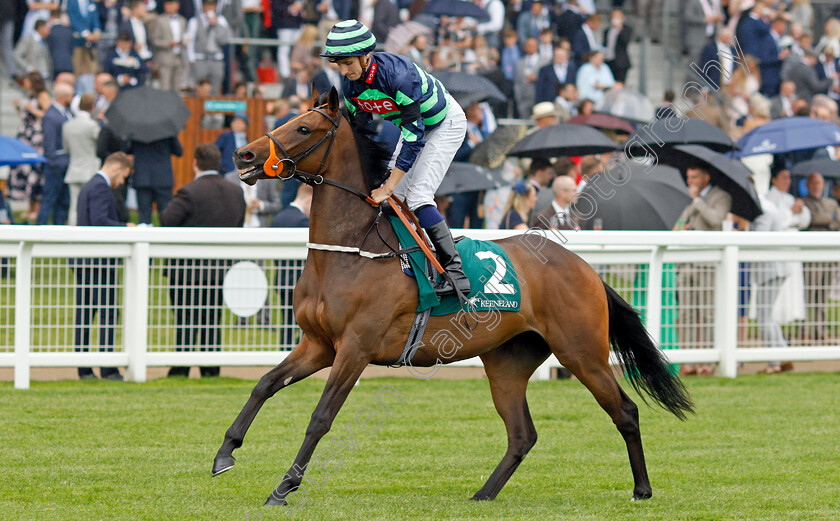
(25, 181)
(522, 200)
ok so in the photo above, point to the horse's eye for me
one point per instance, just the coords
(304, 130)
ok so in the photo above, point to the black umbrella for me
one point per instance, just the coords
(827, 167)
(145, 114)
(728, 174)
(463, 82)
(456, 8)
(678, 131)
(634, 197)
(492, 152)
(564, 139)
(467, 177)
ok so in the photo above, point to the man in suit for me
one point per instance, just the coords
(196, 285)
(759, 34)
(616, 39)
(530, 23)
(84, 21)
(135, 27)
(295, 215)
(718, 55)
(585, 40)
(698, 19)
(60, 43)
(167, 37)
(695, 282)
(79, 137)
(819, 276)
(153, 178)
(559, 215)
(553, 75)
(32, 54)
(96, 279)
(125, 65)
(231, 140)
(570, 20)
(829, 67)
(804, 75)
(55, 200)
(781, 106)
(524, 84)
(207, 35)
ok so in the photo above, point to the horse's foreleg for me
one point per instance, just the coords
(508, 369)
(307, 358)
(344, 374)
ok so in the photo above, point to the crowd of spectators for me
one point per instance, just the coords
(760, 59)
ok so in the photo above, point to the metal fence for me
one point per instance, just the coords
(84, 296)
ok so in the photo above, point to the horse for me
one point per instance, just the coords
(355, 311)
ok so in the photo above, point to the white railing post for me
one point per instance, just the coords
(543, 372)
(23, 313)
(136, 312)
(653, 302)
(726, 312)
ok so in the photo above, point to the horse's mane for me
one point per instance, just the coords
(374, 155)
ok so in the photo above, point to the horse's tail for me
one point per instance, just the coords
(643, 363)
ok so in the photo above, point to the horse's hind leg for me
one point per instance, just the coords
(598, 378)
(508, 368)
(307, 358)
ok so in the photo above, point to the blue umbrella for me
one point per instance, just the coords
(787, 135)
(456, 8)
(15, 152)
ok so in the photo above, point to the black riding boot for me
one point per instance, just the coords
(450, 260)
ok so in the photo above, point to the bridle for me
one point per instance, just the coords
(272, 166)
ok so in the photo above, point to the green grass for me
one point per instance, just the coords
(759, 448)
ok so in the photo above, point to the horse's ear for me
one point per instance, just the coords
(315, 95)
(333, 100)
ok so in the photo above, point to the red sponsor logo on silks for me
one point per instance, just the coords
(377, 106)
(371, 74)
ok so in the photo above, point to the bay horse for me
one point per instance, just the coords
(356, 311)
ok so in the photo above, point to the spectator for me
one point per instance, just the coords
(699, 19)
(616, 40)
(386, 16)
(7, 37)
(803, 73)
(530, 23)
(819, 276)
(802, 12)
(524, 86)
(56, 198)
(61, 43)
(31, 52)
(831, 38)
(285, 110)
(96, 279)
(26, 181)
(79, 137)
(301, 55)
(768, 278)
(251, 28)
(585, 106)
(84, 20)
(196, 285)
(545, 46)
(544, 115)
(559, 215)
(229, 141)
(570, 20)
(295, 215)
(207, 35)
(135, 27)
(742, 87)
(153, 178)
(695, 281)
(829, 67)
(125, 65)
(781, 106)
(594, 77)
(300, 84)
(540, 175)
(518, 210)
(106, 89)
(585, 40)
(790, 305)
(759, 114)
(566, 101)
(36, 10)
(492, 28)
(666, 110)
(286, 20)
(203, 88)
(551, 76)
(718, 55)
(167, 37)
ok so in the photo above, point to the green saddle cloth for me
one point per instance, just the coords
(493, 281)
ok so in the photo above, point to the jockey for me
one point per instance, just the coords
(432, 129)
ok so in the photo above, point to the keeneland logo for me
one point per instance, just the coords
(378, 106)
(765, 146)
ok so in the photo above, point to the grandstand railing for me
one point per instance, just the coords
(38, 293)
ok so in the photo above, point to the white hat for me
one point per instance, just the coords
(543, 109)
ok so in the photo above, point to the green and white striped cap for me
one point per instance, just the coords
(348, 38)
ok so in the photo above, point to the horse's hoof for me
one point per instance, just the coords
(222, 464)
(274, 502)
(638, 496)
(481, 497)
